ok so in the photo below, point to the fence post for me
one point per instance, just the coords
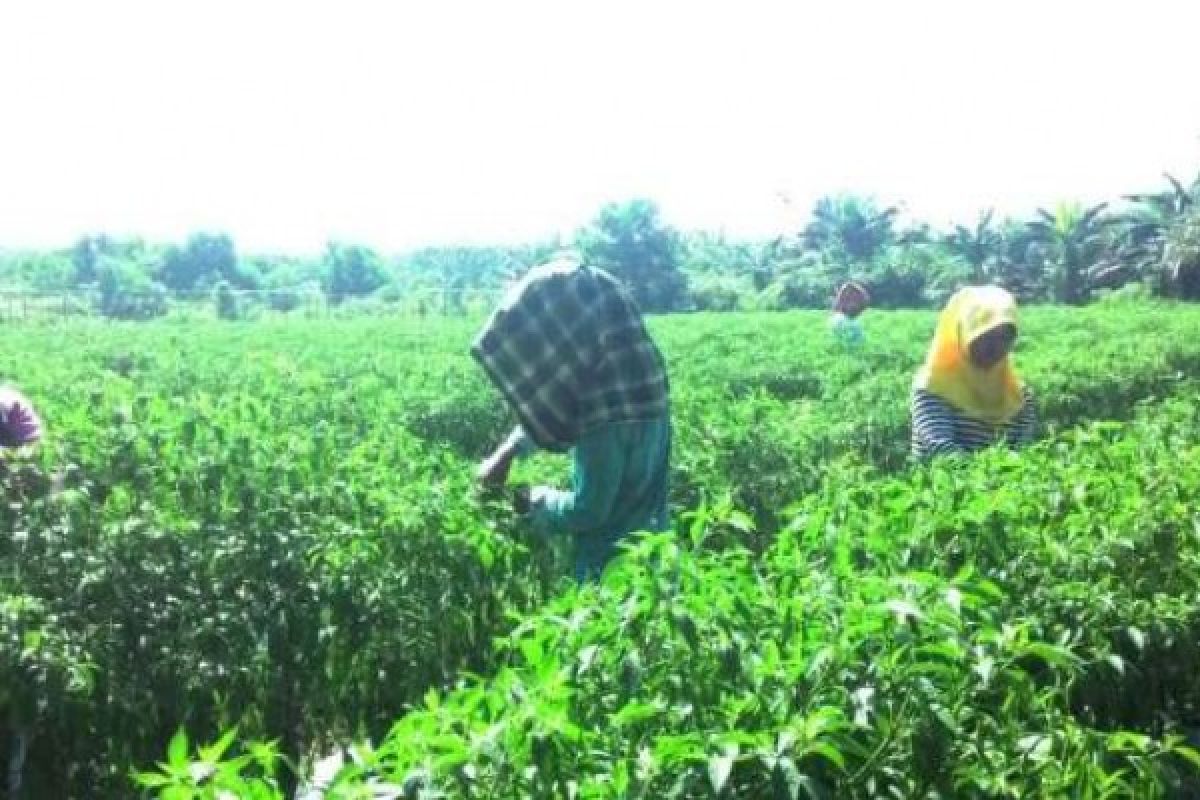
(16, 762)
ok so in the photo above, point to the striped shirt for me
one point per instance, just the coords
(939, 428)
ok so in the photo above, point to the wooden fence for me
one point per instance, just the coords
(19, 305)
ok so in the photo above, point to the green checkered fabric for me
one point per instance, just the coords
(569, 351)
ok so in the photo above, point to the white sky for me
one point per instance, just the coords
(437, 121)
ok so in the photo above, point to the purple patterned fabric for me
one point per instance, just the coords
(19, 423)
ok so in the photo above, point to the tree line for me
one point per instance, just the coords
(1145, 243)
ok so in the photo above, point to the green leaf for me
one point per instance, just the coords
(1127, 741)
(903, 609)
(634, 713)
(151, 780)
(820, 660)
(587, 656)
(813, 788)
(829, 753)
(719, 768)
(177, 750)
(215, 751)
(448, 761)
(1036, 747)
(949, 650)
(1189, 754)
(1053, 655)
(486, 557)
(985, 668)
(620, 778)
(954, 599)
(786, 779)
(532, 650)
(740, 522)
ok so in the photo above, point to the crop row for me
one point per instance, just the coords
(274, 526)
(1012, 627)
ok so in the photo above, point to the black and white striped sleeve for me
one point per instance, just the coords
(932, 426)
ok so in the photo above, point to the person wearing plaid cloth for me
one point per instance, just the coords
(568, 350)
(19, 423)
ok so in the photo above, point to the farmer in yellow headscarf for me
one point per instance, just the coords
(968, 396)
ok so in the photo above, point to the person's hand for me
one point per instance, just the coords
(521, 499)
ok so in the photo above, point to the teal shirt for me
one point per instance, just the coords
(847, 331)
(618, 486)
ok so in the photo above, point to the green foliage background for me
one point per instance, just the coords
(1068, 253)
(272, 527)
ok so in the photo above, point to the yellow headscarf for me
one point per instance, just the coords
(992, 395)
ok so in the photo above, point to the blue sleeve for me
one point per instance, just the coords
(933, 425)
(595, 479)
(854, 332)
(847, 331)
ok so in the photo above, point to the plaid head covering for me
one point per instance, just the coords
(568, 350)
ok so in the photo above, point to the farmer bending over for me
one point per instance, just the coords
(569, 351)
(852, 300)
(968, 396)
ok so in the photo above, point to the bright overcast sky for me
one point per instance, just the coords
(439, 121)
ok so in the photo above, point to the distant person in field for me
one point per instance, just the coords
(569, 351)
(851, 301)
(19, 423)
(967, 396)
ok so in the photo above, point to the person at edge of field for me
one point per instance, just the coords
(851, 300)
(20, 431)
(570, 353)
(19, 423)
(968, 396)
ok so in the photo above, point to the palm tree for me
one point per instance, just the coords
(1181, 258)
(1072, 239)
(1143, 233)
(855, 225)
(980, 246)
(1169, 203)
(631, 241)
(1020, 259)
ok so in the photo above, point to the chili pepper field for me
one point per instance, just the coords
(244, 546)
